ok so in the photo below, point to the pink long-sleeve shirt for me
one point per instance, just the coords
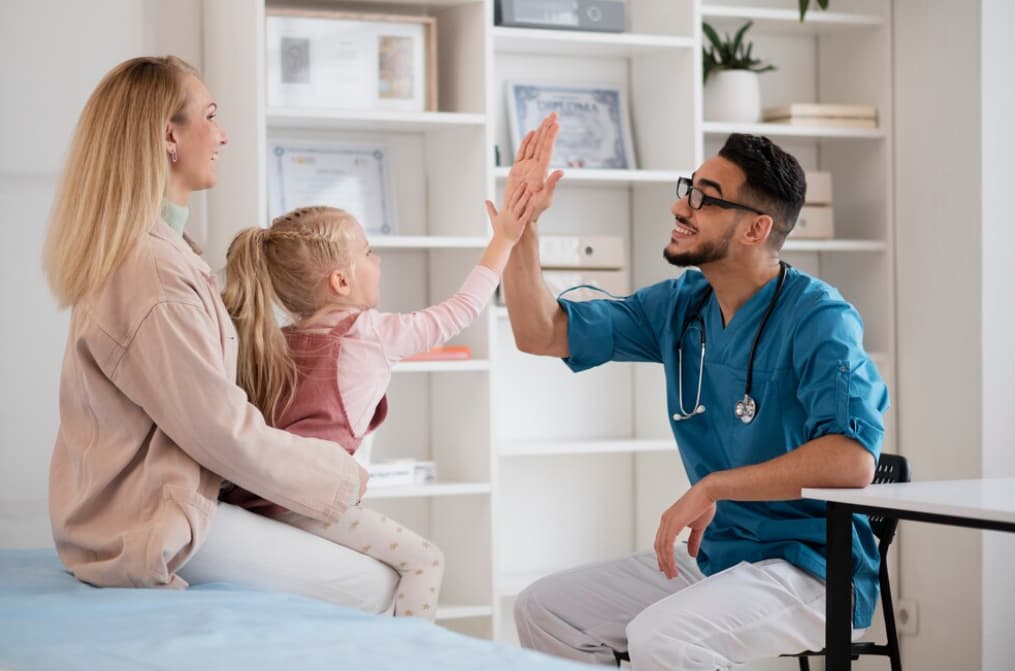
(376, 341)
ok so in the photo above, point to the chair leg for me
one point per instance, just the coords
(804, 664)
(889, 614)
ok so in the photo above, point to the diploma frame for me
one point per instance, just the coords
(351, 175)
(388, 61)
(595, 126)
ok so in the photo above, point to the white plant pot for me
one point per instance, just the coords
(733, 95)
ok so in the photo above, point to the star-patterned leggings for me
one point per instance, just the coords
(419, 562)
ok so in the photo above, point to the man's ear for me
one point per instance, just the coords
(339, 283)
(759, 229)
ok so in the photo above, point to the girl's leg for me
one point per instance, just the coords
(250, 549)
(419, 562)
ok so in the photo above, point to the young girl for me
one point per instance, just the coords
(326, 374)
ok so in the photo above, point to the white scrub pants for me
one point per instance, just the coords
(691, 623)
(251, 549)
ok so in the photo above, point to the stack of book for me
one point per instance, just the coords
(823, 114)
(403, 472)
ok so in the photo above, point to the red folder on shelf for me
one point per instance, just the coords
(443, 353)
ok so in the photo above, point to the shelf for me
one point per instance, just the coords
(466, 366)
(566, 447)
(370, 120)
(414, 242)
(427, 490)
(788, 20)
(580, 176)
(457, 612)
(583, 43)
(792, 245)
(787, 130)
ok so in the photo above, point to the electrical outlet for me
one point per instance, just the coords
(907, 617)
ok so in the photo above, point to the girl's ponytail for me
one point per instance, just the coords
(264, 369)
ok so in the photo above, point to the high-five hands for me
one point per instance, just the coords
(694, 510)
(510, 222)
(532, 163)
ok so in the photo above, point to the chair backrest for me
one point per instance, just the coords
(891, 468)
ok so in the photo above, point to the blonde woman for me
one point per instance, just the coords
(151, 419)
(326, 374)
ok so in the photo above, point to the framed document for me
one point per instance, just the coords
(348, 60)
(353, 176)
(595, 128)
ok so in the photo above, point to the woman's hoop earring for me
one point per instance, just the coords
(172, 155)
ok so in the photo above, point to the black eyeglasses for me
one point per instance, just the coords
(697, 198)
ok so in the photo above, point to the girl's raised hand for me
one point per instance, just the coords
(515, 215)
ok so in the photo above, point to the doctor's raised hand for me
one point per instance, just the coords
(532, 163)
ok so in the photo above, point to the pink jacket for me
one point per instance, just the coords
(151, 421)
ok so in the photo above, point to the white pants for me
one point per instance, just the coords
(691, 623)
(254, 550)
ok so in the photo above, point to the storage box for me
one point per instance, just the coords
(595, 15)
(819, 188)
(815, 222)
(582, 251)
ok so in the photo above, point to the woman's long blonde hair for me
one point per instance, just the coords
(116, 173)
(286, 265)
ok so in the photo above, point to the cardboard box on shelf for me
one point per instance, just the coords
(819, 188)
(581, 251)
(816, 222)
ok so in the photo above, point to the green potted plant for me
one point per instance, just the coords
(732, 91)
(804, 4)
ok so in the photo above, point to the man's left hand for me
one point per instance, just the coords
(694, 510)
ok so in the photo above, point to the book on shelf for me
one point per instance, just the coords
(442, 353)
(823, 114)
(401, 472)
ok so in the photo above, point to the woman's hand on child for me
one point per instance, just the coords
(516, 214)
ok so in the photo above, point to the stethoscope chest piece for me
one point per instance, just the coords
(746, 409)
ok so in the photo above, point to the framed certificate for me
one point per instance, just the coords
(595, 128)
(350, 60)
(353, 176)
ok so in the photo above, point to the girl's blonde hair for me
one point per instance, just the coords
(286, 265)
(116, 173)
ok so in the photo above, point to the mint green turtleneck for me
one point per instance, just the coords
(175, 215)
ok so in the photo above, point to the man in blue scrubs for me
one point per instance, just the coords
(783, 397)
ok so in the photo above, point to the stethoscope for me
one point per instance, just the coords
(746, 409)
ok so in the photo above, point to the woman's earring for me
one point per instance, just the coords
(172, 155)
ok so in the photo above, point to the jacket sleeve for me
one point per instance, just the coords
(174, 369)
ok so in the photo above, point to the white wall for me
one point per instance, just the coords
(939, 242)
(998, 175)
(52, 54)
(954, 175)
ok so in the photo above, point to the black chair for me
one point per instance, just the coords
(891, 468)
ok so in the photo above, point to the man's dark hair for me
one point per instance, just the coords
(775, 181)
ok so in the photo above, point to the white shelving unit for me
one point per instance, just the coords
(540, 470)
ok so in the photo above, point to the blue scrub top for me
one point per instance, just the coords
(811, 378)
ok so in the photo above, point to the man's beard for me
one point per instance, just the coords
(712, 251)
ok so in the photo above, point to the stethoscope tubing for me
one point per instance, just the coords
(698, 408)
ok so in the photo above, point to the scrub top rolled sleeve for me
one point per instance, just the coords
(839, 383)
(615, 330)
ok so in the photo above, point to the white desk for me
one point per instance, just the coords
(982, 504)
